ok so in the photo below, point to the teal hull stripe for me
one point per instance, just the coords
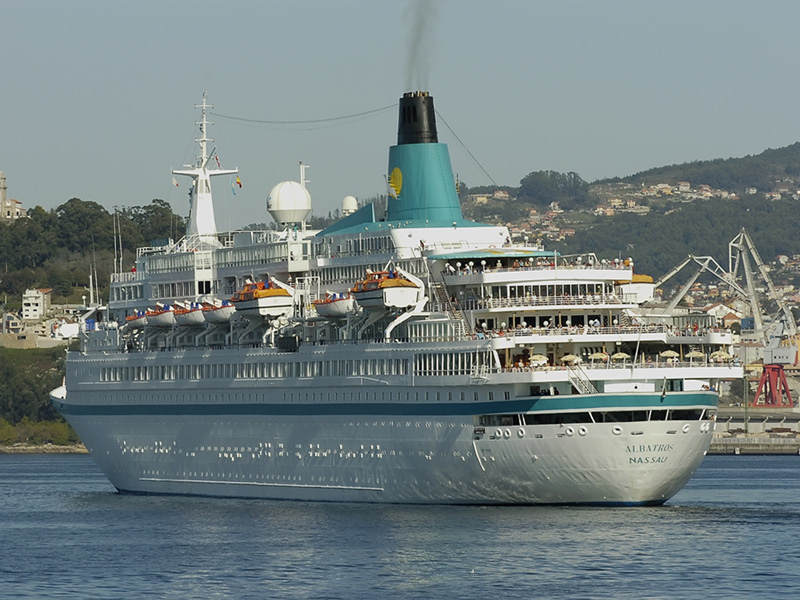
(399, 409)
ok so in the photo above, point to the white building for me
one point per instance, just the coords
(35, 304)
(9, 209)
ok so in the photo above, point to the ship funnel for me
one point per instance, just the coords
(420, 179)
(417, 122)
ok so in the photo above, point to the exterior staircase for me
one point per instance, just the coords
(579, 379)
(441, 298)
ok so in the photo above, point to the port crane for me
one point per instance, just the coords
(706, 264)
(783, 326)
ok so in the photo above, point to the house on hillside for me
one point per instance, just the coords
(36, 304)
(725, 315)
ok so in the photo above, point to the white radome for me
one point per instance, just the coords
(289, 202)
(349, 205)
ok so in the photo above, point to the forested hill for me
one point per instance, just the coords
(59, 248)
(657, 242)
(765, 172)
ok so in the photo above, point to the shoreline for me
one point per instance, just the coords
(43, 449)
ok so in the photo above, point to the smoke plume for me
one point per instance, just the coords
(421, 19)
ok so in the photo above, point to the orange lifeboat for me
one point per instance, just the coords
(260, 299)
(137, 320)
(386, 289)
(219, 312)
(190, 316)
(334, 306)
(163, 316)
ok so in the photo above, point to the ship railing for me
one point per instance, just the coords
(125, 277)
(535, 301)
(573, 330)
(543, 265)
(600, 366)
(479, 375)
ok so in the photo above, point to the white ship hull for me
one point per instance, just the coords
(406, 457)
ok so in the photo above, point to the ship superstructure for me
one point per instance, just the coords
(418, 357)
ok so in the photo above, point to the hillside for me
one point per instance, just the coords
(660, 241)
(652, 218)
(768, 171)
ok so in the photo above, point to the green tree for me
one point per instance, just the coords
(84, 226)
(8, 435)
(142, 225)
(543, 187)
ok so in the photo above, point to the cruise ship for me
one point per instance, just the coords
(403, 356)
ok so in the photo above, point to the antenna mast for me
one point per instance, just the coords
(202, 226)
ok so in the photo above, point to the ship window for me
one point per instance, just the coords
(691, 414)
(620, 416)
(625, 416)
(658, 415)
(557, 418)
(498, 420)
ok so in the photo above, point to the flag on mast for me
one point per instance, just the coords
(238, 181)
(175, 182)
(216, 157)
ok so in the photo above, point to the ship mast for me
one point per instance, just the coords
(202, 225)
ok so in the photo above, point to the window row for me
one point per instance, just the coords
(257, 370)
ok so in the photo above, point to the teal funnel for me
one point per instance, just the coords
(421, 183)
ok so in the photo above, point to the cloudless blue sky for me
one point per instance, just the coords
(97, 97)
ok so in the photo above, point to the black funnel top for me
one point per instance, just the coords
(417, 124)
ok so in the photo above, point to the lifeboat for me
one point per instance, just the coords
(386, 289)
(218, 313)
(334, 306)
(137, 320)
(260, 299)
(161, 317)
(190, 316)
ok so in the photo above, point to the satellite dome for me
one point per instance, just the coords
(349, 205)
(289, 202)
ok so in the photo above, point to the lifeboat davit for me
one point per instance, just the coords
(334, 306)
(218, 313)
(386, 289)
(190, 316)
(161, 317)
(260, 299)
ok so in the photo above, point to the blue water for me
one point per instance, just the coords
(65, 533)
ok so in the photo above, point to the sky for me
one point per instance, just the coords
(97, 98)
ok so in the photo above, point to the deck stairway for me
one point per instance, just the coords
(579, 379)
(440, 296)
